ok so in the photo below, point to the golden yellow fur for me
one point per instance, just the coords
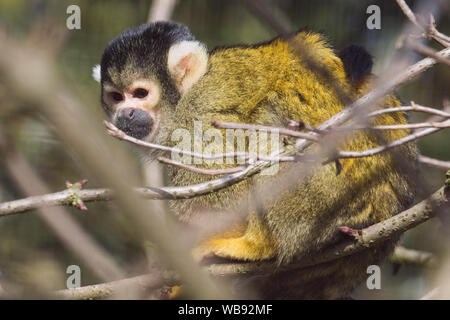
(269, 84)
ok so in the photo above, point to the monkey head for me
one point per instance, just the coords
(143, 74)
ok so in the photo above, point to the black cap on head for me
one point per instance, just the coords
(142, 51)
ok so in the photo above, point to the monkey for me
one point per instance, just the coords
(158, 78)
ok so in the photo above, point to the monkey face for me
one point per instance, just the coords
(144, 72)
(135, 109)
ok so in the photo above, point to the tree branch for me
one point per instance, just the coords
(434, 162)
(211, 172)
(144, 283)
(370, 237)
(403, 255)
(256, 127)
(431, 32)
(412, 107)
(66, 197)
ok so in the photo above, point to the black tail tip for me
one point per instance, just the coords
(357, 62)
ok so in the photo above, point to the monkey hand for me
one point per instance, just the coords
(247, 246)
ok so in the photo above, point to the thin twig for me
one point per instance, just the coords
(426, 51)
(393, 144)
(64, 198)
(161, 10)
(211, 172)
(403, 255)
(434, 162)
(414, 107)
(145, 283)
(440, 37)
(409, 13)
(117, 133)
(257, 127)
(408, 126)
(429, 32)
(419, 125)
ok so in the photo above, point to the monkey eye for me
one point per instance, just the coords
(140, 93)
(116, 96)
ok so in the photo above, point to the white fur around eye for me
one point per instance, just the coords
(187, 62)
(96, 73)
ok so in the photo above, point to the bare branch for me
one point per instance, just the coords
(420, 125)
(369, 237)
(211, 172)
(428, 32)
(65, 197)
(440, 37)
(426, 51)
(62, 198)
(434, 162)
(256, 127)
(409, 13)
(403, 255)
(414, 107)
(117, 133)
(144, 283)
(393, 144)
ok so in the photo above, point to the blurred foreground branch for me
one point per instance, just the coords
(60, 221)
(35, 80)
(161, 10)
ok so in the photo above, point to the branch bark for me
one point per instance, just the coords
(89, 195)
(434, 162)
(144, 283)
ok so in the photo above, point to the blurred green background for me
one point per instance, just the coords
(26, 241)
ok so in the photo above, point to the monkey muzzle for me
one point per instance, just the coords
(134, 122)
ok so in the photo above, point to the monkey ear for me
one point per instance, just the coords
(96, 73)
(187, 63)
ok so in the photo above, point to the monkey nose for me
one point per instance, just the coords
(134, 122)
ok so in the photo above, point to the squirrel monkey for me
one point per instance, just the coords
(157, 78)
